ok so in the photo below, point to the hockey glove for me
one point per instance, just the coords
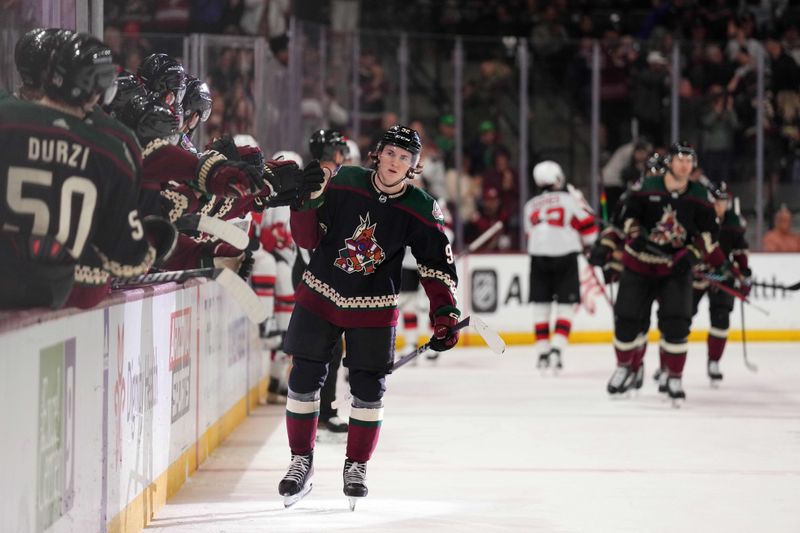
(225, 146)
(161, 235)
(599, 254)
(222, 177)
(246, 268)
(291, 186)
(684, 260)
(444, 337)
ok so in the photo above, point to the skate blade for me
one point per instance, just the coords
(715, 383)
(288, 501)
(352, 500)
(677, 402)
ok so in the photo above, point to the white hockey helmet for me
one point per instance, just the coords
(243, 139)
(548, 174)
(353, 153)
(288, 155)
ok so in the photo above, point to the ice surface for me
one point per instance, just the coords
(480, 442)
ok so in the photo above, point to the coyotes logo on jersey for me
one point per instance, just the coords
(668, 230)
(361, 253)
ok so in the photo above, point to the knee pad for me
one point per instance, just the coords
(626, 331)
(367, 386)
(674, 329)
(307, 376)
(720, 317)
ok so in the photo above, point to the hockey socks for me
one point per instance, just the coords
(564, 315)
(541, 327)
(673, 356)
(365, 426)
(717, 338)
(625, 351)
(410, 328)
(302, 413)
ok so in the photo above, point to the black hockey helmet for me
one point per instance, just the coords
(324, 144)
(720, 191)
(682, 148)
(402, 137)
(32, 54)
(128, 86)
(80, 67)
(149, 118)
(162, 74)
(197, 99)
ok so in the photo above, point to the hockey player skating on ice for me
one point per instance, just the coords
(558, 228)
(359, 228)
(670, 225)
(720, 303)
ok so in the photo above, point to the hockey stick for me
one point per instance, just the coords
(736, 294)
(482, 239)
(216, 227)
(234, 286)
(489, 336)
(776, 286)
(750, 366)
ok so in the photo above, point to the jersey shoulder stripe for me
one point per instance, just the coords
(423, 205)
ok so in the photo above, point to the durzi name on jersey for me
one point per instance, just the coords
(73, 155)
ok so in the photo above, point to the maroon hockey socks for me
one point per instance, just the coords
(673, 357)
(716, 344)
(365, 426)
(301, 421)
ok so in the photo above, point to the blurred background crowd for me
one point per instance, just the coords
(361, 66)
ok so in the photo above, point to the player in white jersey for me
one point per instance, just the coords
(558, 227)
(272, 281)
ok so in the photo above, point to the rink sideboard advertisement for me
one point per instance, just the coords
(495, 287)
(106, 412)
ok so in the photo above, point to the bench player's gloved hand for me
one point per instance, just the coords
(444, 337)
(599, 254)
(161, 235)
(225, 177)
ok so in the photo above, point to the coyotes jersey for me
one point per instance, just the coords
(67, 185)
(359, 236)
(556, 224)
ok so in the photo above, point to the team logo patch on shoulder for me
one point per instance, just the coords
(361, 252)
(437, 212)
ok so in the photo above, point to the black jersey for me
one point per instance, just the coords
(66, 186)
(671, 223)
(360, 235)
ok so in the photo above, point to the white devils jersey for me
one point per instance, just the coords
(557, 224)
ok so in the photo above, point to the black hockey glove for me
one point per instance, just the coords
(684, 260)
(291, 186)
(444, 337)
(225, 146)
(599, 255)
(639, 244)
(161, 235)
(223, 177)
(246, 268)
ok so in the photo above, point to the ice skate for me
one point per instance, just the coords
(297, 481)
(662, 381)
(714, 373)
(544, 361)
(355, 477)
(675, 391)
(620, 381)
(275, 394)
(432, 356)
(638, 378)
(334, 424)
(555, 360)
(657, 375)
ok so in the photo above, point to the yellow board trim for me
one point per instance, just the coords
(598, 337)
(141, 510)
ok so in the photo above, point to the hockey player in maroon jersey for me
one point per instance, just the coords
(558, 228)
(70, 188)
(670, 225)
(359, 229)
(720, 303)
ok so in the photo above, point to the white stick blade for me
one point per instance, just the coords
(489, 336)
(224, 230)
(240, 291)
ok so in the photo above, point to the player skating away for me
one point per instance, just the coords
(359, 229)
(670, 225)
(558, 228)
(70, 189)
(720, 303)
